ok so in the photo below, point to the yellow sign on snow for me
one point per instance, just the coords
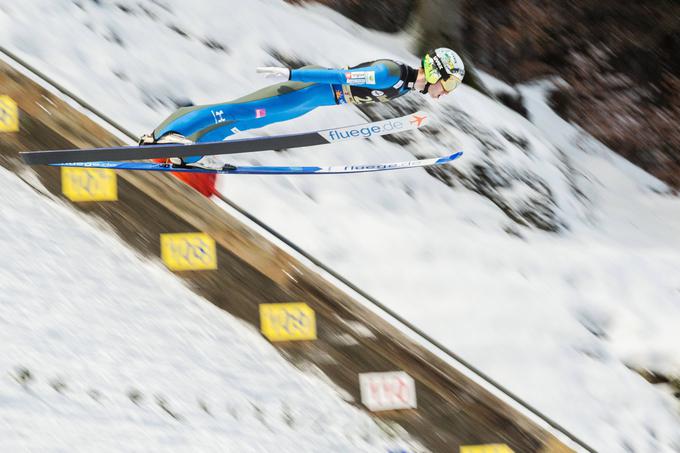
(89, 184)
(488, 448)
(9, 115)
(188, 251)
(287, 321)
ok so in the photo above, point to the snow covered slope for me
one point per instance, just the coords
(541, 256)
(136, 361)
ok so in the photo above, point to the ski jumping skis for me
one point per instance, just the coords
(244, 145)
(265, 170)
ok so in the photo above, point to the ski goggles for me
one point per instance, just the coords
(450, 83)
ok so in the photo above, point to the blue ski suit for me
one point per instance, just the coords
(308, 88)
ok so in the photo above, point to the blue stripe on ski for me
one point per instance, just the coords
(264, 170)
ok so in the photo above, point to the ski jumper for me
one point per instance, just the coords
(308, 88)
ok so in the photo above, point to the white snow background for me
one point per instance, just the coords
(557, 316)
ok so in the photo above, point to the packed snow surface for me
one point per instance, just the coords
(101, 350)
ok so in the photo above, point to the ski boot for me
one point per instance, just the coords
(177, 162)
(170, 137)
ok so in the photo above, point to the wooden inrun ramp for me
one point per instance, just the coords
(453, 410)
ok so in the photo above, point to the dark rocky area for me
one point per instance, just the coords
(620, 62)
(385, 16)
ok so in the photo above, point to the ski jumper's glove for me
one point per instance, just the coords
(273, 72)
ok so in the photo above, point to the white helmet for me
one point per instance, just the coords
(445, 65)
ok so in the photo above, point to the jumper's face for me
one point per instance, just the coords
(437, 90)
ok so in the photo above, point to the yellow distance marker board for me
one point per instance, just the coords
(293, 321)
(488, 448)
(9, 115)
(188, 251)
(89, 184)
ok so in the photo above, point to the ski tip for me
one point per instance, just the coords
(453, 156)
